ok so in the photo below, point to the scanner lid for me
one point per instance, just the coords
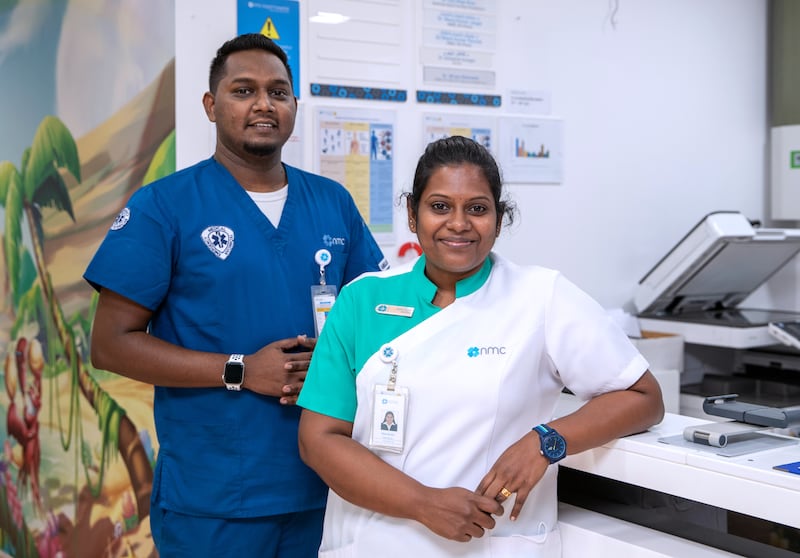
(719, 263)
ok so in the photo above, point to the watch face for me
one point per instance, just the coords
(234, 373)
(554, 446)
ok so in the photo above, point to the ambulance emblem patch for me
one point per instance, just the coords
(219, 240)
(121, 220)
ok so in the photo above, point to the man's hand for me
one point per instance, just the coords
(279, 369)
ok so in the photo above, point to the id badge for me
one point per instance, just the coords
(322, 299)
(389, 408)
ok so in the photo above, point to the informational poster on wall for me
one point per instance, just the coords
(531, 150)
(355, 147)
(359, 43)
(479, 128)
(528, 101)
(280, 21)
(459, 39)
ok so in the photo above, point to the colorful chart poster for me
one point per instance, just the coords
(531, 150)
(280, 21)
(356, 148)
(479, 128)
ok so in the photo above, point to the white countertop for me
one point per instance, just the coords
(746, 484)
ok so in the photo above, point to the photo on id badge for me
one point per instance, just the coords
(388, 420)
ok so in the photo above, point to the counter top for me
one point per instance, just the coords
(746, 484)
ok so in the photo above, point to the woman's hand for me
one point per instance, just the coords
(362, 478)
(518, 469)
(459, 514)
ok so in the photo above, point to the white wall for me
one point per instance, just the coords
(665, 116)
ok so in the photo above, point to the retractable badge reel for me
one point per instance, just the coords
(389, 408)
(322, 295)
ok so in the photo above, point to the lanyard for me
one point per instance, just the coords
(389, 356)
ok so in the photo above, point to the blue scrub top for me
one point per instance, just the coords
(196, 250)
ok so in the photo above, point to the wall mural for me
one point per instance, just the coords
(87, 111)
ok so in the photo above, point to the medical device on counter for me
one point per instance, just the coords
(718, 434)
(750, 430)
(759, 415)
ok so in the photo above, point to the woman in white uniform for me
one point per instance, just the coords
(469, 352)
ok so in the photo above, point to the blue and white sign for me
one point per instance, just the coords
(280, 21)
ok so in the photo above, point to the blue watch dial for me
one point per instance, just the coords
(553, 444)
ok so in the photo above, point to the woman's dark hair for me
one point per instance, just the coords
(457, 150)
(248, 41)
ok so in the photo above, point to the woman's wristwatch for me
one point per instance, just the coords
(552, 444)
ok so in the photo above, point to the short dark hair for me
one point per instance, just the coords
(248, 41)
(455, 150)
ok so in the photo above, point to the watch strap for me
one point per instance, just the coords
(543, 429)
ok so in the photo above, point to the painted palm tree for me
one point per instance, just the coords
(41, 184)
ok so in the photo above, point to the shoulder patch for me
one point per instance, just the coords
(121, 220)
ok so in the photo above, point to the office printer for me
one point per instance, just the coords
(695, 289)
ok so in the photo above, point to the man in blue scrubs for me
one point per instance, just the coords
(205, 282)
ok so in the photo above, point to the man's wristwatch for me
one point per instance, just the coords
(553, 445)
(233, 375)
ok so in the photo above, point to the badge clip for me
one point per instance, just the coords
(323, 295)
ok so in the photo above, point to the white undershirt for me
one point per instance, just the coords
(271, 203)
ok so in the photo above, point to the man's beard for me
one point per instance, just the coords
(260, 150)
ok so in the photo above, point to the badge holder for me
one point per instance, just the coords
(323, 295)
(389, 409)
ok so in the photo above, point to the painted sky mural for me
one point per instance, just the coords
(87, 111)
